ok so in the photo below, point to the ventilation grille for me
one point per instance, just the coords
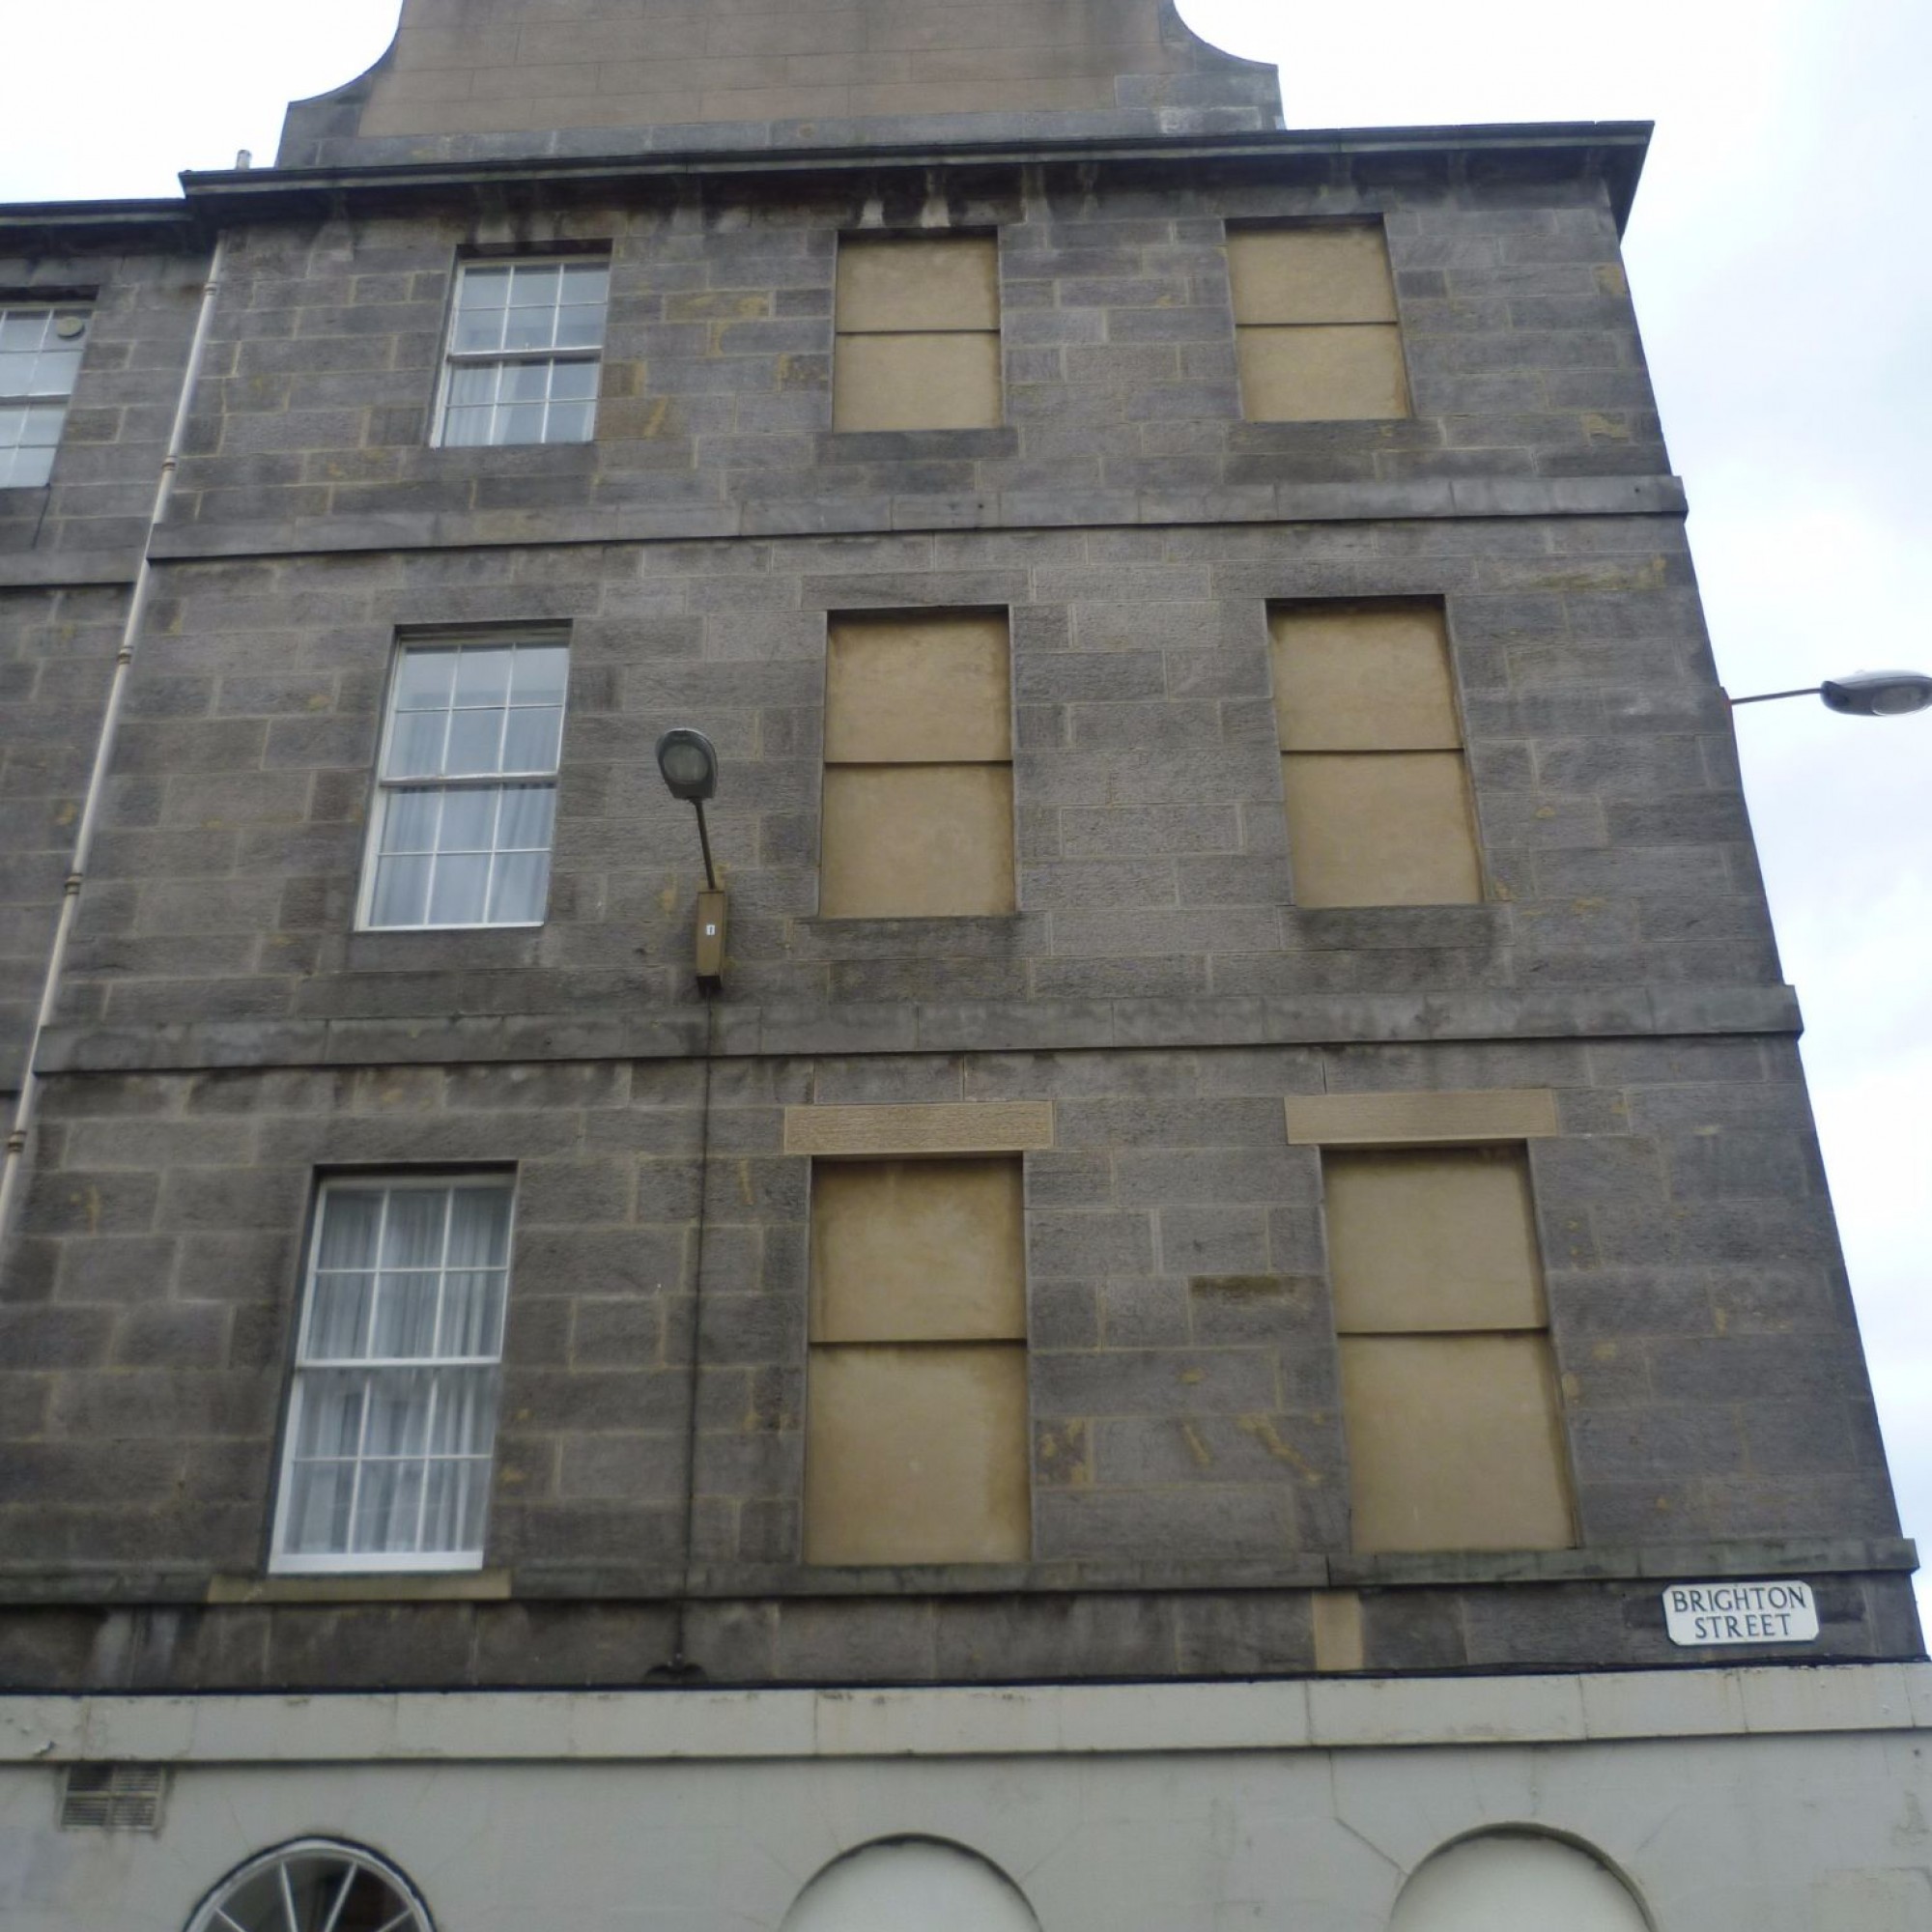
(112, 1798)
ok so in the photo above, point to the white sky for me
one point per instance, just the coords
(1777, 259)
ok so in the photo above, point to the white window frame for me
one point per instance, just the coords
(42, 403)
(386, 788)
(211, 1915)
(283, 1562)
(455, 359)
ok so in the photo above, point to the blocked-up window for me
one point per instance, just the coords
(1380, 810)
(918, 334)
(524, 342)
(918, 809)
(465, 795)
(916, 1408)
(1448, 1387)
(1315, 324)
(392, 1416)
(39, 356)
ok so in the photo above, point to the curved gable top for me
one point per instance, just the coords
(509, 79)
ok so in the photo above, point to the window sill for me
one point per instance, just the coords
(364, 1586)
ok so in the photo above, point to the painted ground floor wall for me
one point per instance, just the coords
(1775, 1799)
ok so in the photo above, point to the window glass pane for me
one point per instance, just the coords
(469, 819)
(580, 326)
(472, 384)
(453, 1511)
(539, 674)
(24, 329)
(532, 740)
(25, 469)
(475, 743)
(479, 1226)
(468, 428)
(417, 744)
(16, 373)
(483, 287)
(440, 1508)
(586, 283)
(410, 820)
(406, 1316)
(529, 328)
(466, 1409)
(569, 423)
(573, 382)
(12, 427)
(424, 679)
(43, 427)
(524, 382)
(413, 1237)
(351, 1219)
(331, 1422)
(338, 1323)
(386, 1507)
(478, 332)
(54, 373)
(526, 822)
(483, 675)
(523, 423)
(398, 1422)
(473, 1312)
(402, 891)
(535, 285)
(331, 1418)
(520, 887)
(459, 893)
(318, 1515)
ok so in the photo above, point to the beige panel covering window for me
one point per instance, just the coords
(918, 811)
(916, 1409)
(1315, 320)
(918, 334)
(1374, 775)
(1448, 1386)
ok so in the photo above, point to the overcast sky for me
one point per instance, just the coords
(1777, 258)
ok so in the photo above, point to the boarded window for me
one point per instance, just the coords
(1315, 324)
(919, 781)
(1448, 1388)
(916, 1415)
(918, 334)
(1379, 810)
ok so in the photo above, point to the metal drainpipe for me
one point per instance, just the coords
(13, 1163)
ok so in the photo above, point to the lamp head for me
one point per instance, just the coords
(1878, 693)
(688, 762)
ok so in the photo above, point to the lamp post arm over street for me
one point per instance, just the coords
(1867, 694)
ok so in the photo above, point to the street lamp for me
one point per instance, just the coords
(688, 762)
(1869, 693)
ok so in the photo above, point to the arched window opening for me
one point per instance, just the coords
(896, 1882)
(315, 1886)
(1516, 1882)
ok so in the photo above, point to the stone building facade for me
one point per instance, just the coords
(1251, 1143)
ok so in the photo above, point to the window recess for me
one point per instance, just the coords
(525, 340)
(1449, 1395)
(1374, 775)
(917, 808)
(465, 792)
(392, 1412)
(918, 334)
(916, 1406)
(1315, 332)
(40, 358)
